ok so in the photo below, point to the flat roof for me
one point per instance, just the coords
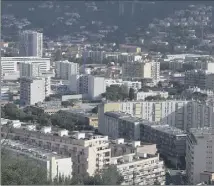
(30, 150)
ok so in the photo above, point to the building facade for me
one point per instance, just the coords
(64, 69)
(32, 90)
(171, 142)
(31, 43)
(89, 153)
(199, 154)
(93, 86)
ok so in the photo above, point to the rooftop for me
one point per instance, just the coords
(169, 130)
(202, 132)
(30, 150)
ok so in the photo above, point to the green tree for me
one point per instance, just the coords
(19, 171)
(108, 176)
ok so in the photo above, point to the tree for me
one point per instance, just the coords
(67, 103)
(115, 93)
(58, 55)
(95, 110)
(131, 94)
(187, 66)
(156, 182)
(19, 171)
(108, 176)
(164, 66)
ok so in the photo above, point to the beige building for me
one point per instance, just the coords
(138, 163)
(89, 152)
(172, 112)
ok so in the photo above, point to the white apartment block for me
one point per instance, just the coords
(31, 43)
(64, 69)
(32, 90)
(89, 152)
(142, 95)
(96, 87)
(12, 64)
(32, 70)
(199, 154)
(55, 164)
(87, 84)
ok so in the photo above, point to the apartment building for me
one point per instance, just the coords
(199, 114)
(199, 155)
(32, 90)
(173, 112)
(199, 78)
(139, 164)
(33, 70)
(31, 43)
(64, 69)
(28, 69)
(171, 142)
(181, 114)
(55, 165)
(92, 86)
(89, 152)
(11, 65)
(121, 125)
(141, 95)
